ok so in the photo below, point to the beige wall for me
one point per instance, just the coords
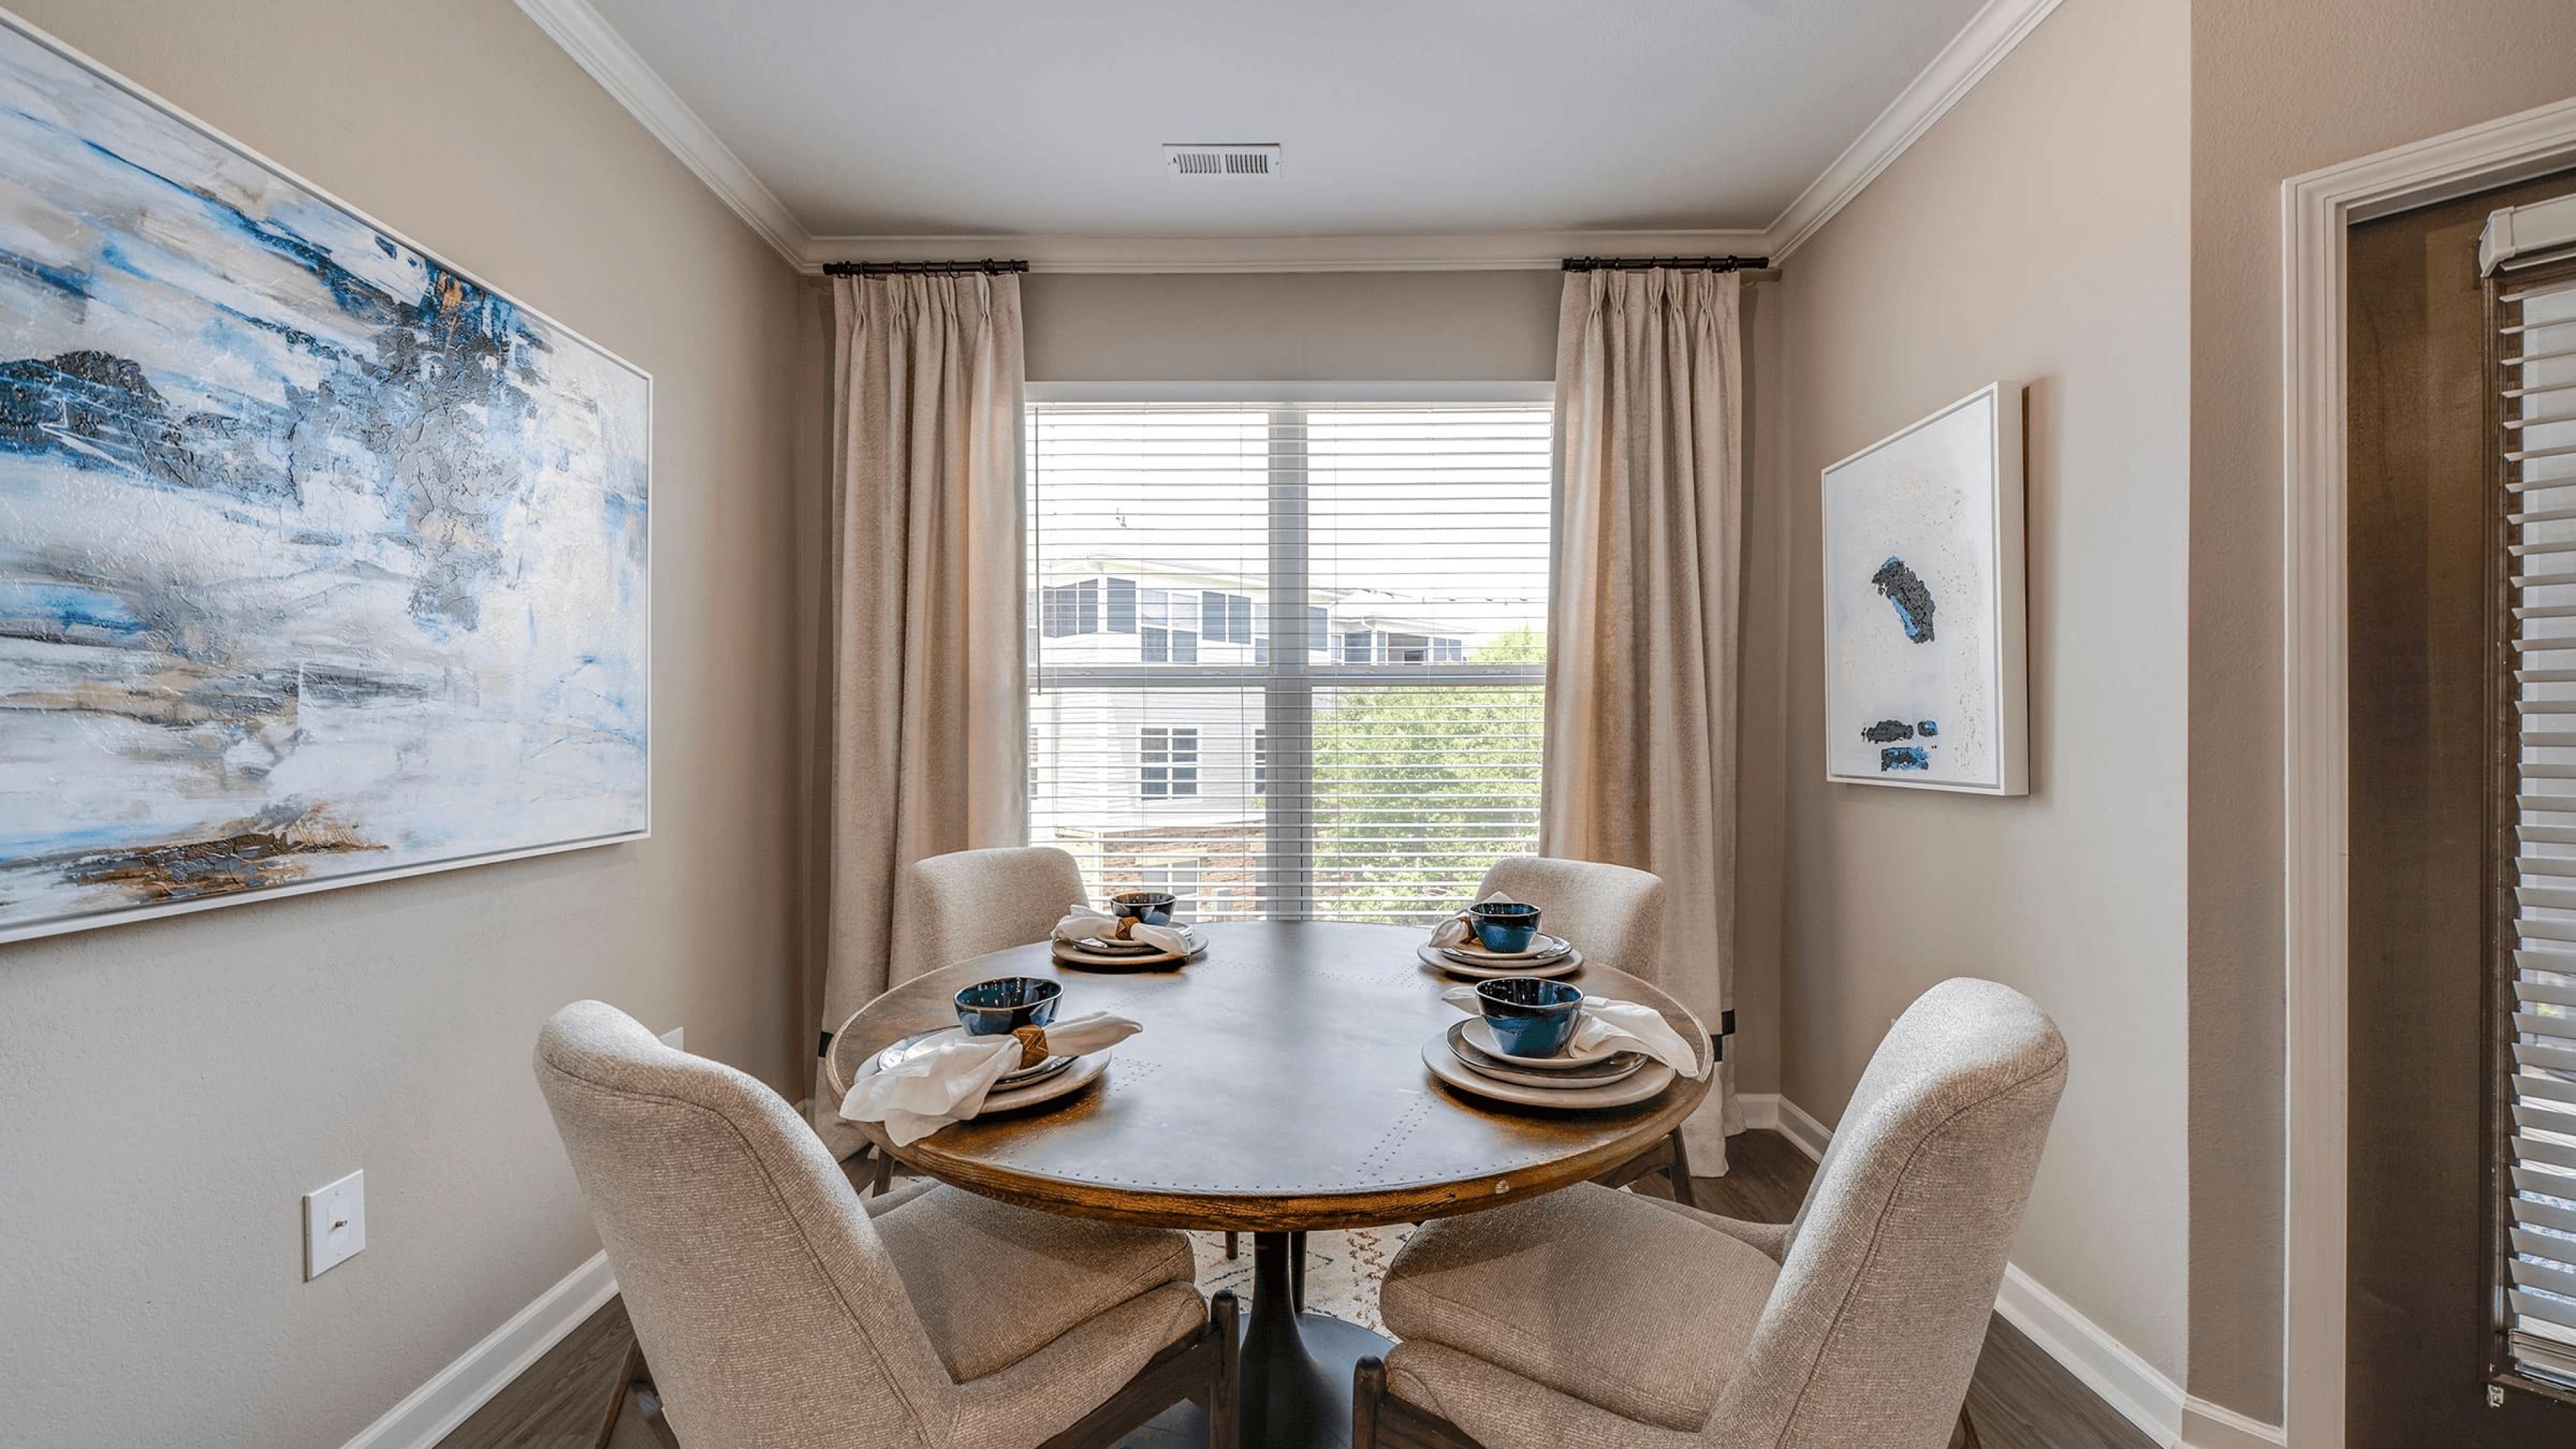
(2279, 88)
(1292, 327)
(167, 1090)
(2039, 233)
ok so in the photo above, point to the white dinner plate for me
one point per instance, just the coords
(1112, 946)
(1079, 1072)
(1616, 1068)
(1071, 954)
(1565, 965)
(1542, 947)
(922, 1041)
(1064, 1083)
(1480, 1035)
(1650, 1079)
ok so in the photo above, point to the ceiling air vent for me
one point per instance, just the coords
(1217, 161)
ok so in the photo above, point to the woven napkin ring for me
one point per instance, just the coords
(1033, 1045)
(1123, 928)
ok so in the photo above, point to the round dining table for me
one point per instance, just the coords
(1278, 1088)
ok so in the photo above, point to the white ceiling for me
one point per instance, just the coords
(960, 117)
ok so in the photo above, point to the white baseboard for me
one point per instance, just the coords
(2214, 1426)
(2107, 1366)
(1804, 1132)
(1761, 1110)
(2110, 1368)
(427, 1414)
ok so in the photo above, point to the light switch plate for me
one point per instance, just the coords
(335, 1224)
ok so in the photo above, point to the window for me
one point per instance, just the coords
(1069, 609)
(2533, 879)
(1167, 762)
(1333, 697)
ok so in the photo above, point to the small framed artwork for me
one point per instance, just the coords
(1925, 655)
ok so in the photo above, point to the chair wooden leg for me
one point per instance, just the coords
(1206, 1369)
(1680, 1173)
(1380, 1420)
(617, 1396)
(1232, 1243)
(1368, 1389)
(1964, 1436)
(885, 1173)
(1225, 1392)
(635, 1381)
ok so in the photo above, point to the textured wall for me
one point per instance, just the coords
(168, 1090)
(2039, 233)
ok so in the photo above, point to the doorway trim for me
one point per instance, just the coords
(2317, 210)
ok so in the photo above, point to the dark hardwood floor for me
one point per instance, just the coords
(2020, 1399)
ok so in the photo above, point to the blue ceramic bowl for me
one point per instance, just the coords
(1151, 908)
(1530, 1018)
(1007, 1003)
(1504, 928)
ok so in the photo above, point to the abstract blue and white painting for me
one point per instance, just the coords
(319, 560)
(1923, 603)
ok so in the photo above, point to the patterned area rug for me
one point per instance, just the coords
(1343, 1270)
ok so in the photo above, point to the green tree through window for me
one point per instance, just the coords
(1419, 788)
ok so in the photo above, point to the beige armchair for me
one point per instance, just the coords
(1604, 1320)
(775, 1311)
(1616, 916)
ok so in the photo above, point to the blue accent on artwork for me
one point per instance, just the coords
(1909, 596)
(65, 612)
(317, 558)
(1928, 729)
(1905, 757)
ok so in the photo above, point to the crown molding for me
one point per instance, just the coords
(1429, 252)
(596, 47)
(1986, 39)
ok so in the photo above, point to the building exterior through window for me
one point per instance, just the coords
(1288, 661)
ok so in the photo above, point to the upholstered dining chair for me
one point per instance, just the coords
(1611, 1321)
(953, 907)
(1615, 916)
(967, 903)
(774, 1310)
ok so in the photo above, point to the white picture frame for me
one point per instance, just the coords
(1926, 649)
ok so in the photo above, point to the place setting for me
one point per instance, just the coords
(1542, 1043)
(1136, 933)
(1008, 1051)
(1495, 938)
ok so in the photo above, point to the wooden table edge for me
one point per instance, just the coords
(1312, 1212)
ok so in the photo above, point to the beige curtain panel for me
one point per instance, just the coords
(1642, 629)
(929, 711)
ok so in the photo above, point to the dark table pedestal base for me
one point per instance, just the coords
(1296, 1369)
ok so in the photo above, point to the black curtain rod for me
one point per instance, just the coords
(989, 267)
(1682, 264)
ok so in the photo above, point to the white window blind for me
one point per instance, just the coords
(1330, 616)
(2537, 350)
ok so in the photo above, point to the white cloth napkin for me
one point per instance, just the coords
(1620, 1025)
(948, 1083)
(1454, 931)
(1081, 921)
